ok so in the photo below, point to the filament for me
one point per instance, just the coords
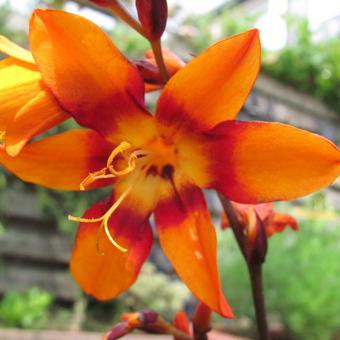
(105, 218)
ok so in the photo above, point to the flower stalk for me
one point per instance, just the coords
(120, 11)
(254, 269)
(157, 51)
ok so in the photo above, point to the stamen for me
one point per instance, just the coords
(105, 218)
(123, 146)
(92, 177)
(101, 174)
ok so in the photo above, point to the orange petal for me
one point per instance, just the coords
(212, 87)
(19, 84)
(98, 266)
(62, 161)
(188, 239)
(88, 75)
(12, 49)
(38, 115)
(253, 162)
(277, 222)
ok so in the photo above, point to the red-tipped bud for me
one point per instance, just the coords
(102, 3)
(119, 330)
(202, 321)
(153, 15)
(181, 322)
(149, 71)
(256, 244)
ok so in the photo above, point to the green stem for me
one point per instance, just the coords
(120, 11)
(157, 51)
(255, 271)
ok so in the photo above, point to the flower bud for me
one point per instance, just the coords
(181, 322)
(201, 321)
(101, 3)
(119, 330)
(153, 15)
(150, 73)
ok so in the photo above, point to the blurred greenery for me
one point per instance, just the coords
(312, 67)
(27, 309)
(300, 276)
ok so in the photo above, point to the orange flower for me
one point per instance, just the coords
(273, 221)
(259, 221)
(159, 163)
(27, 107)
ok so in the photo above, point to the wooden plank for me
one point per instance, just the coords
(20, 276)
(21, 203)
(22, 240)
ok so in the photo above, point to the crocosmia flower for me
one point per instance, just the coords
(258, 222)
(159, 163)
(27, 107)
(273, 221)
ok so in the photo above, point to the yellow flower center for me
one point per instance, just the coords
(156, 159)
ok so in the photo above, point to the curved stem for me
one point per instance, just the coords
(157, 51)
(255, 271)
(236, 228)
(120, 11)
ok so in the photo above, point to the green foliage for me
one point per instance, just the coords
(300, 280)
(210, 28)
(312, 67)
(128, 41)
(24, 309)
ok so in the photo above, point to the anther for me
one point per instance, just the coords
(102, 174)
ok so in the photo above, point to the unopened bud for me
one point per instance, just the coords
(202, 321)
(153, 15)
(119, 330)
(102, 3)
(181, 322)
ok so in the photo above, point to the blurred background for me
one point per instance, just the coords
(299, 85)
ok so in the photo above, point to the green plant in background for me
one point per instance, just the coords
(129, 42)
(301, 287)
(26, 309)
(312, 67)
